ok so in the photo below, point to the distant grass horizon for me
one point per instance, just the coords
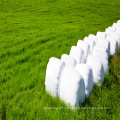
(31, 32)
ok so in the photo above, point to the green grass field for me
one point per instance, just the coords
(31, 32)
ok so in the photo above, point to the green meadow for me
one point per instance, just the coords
(31, 32)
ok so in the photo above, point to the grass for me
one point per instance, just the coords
(33, 31)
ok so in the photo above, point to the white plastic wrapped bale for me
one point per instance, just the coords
(77, 53)
(117, 37)
(116, 26)
(97, 68)
(91, 36)
(106, 43)
(54, 71)
(105, 63)
(101, 34)
(118, 31)
(91, 44)
(118, 23)
(86, 72)
(100, 49)
(112, 29)
(72, 89)
(113, 45)
(100, 53)
(86, 48)
(109, 30)
(69, 60)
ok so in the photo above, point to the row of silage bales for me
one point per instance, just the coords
(72, 78)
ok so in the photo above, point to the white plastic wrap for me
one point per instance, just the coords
(97, 68)
(54, 71)
(105, 63)
(113, 45)
(112, 29)
(118, 23)
(77, 53)
(109, 30)
(101, 34)
(100, 49)
(117, 31)
(86, 48)
(86, 72)
(72, 89)
(91, 44)
(69, 60)
(100, 53)
(117, 37)
(91, 36)
(115, 25)
(105, 43)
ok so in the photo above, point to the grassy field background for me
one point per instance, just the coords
(33, 31)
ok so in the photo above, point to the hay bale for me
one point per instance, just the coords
(97, 68)
(77, 53)
(109, 30)
(72, 89)
(69, 60)
(116, 26)
(101, 34)
(86, 71)
(54, 71)
(116, 36)
(86, 48)
(118, 23)
(93, 37)
(100, 49)
(104, 62)
(105, 43)
(91, 44)
(100, 53)
(113, 45)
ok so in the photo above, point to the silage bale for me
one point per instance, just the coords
(91, 44)
(91, 36)
(86, 72)
(117, 37)
(112, 29)
(118, 32)
(116, 26)
(105, 63)
(54, 71)
(118, 23)
(113, 45)
(115, 34)
(103, 56)
(69, 60)
(77, 53)
(106, 43)
(100, 49)
(97, 68)
(86, 48)
(101, 34)
(72, 89)
(109, 30)
(100, 53)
